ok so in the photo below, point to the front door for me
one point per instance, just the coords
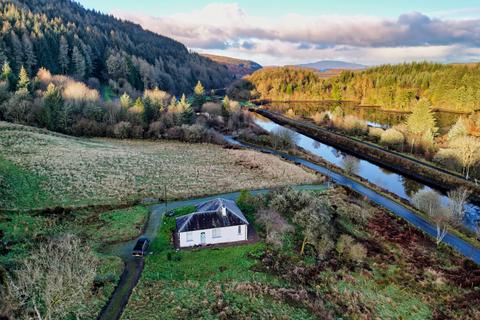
(203, 238)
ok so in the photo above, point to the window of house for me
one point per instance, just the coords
(189, 236)
(239, 229)
(216, 233)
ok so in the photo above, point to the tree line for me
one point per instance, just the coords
(453, 87)
(67, 39)
(63, 104)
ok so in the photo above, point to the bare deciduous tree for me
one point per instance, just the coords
(429, 202)
(458, 198)
(275, 226)
(467, 151)
(55, 280)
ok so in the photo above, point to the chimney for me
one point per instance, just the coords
(224, 211)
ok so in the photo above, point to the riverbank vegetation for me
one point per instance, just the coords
(44, 169)
(452, 87)
(321, 255)
(457, 149)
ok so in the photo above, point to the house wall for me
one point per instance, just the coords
(227, 234)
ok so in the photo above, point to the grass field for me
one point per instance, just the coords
(41, 169)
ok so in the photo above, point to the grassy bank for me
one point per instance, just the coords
(39, 169)
(20, 233)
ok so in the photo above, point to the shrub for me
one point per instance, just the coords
(122, 130)
(375, 133)
(284, 139)
(156, 129)
(349, 250)
(354, 125)
(320, 117)
(214, 109)
(392, 138)
(88, 128)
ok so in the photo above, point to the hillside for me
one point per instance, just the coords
(325, 65)
(66, 38)
(238, 67)
(453, 87)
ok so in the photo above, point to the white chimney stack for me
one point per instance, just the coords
(224, 211)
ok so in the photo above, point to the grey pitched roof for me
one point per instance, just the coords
(209, 215)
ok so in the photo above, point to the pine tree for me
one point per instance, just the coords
(52, 108)
(188, 114)
(199, 90)
(28, 53)
(63, 59)
(17, 50)
(199, 95)
(421, 122)
(78, 60)
(23, 79)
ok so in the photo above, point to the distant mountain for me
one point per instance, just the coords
(325, 65)
(66, 38)
(238, 67)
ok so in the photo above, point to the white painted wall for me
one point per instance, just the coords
(227, 234)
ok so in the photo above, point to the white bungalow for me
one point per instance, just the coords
(215, 221)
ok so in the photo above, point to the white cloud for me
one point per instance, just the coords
(228, 29)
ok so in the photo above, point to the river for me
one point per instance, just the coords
(395, 183)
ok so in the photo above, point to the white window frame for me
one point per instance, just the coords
(189, 236)
(239, 230)
(216, 233)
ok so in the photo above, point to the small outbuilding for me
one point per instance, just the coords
(215, 221)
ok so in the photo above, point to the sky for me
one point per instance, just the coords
(292, 32)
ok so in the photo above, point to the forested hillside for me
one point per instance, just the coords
(453, 87)
(65, 38)
(238, 67)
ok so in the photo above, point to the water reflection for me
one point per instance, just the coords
(397, 184)
(375, 116)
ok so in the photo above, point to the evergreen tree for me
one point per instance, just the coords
(421, 123)
(188, 114)
(79, 67)
(52, 108)
(23, 79)
(422, 119)
(198, 95)
(28, 53)
(199, 90)
(63, 59)
(17, 50)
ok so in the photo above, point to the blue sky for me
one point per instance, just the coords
(289, 32)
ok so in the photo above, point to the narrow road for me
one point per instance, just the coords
(134, 266)
(461, 246)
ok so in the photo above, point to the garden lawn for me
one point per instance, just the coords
(201, 283)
